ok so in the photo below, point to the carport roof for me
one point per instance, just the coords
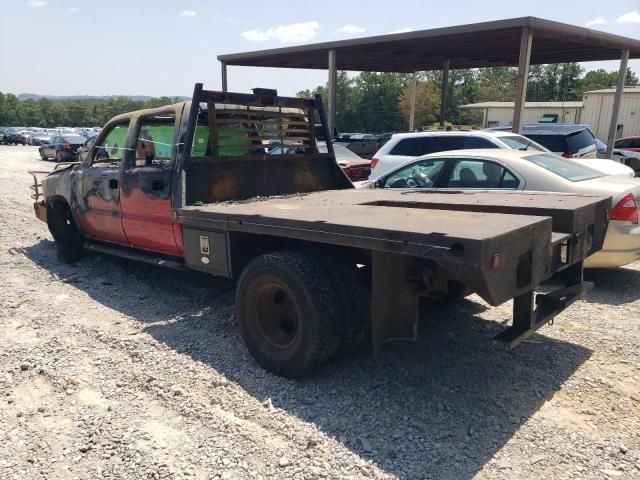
(475, 45)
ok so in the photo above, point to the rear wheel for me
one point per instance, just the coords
(288, 310)
(354, 287)
(42, 155)
(63, 228)
(59, 156)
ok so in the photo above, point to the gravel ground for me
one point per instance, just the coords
(111, 369)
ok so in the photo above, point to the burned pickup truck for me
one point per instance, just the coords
(320, 267)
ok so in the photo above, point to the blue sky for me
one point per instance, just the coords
(93, 47)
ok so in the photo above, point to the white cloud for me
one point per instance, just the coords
(37, 3)
(294, 32)
(188, 13)
(629, 17)
(351, 29)
(403, 30)
(73, 9)
(595, 21)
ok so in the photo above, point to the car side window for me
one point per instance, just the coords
(625, 143)
(477, 142)
(634, 143)
(475, 173)
(418, 146)
(112, 148)
(422, 174)
(154, 141)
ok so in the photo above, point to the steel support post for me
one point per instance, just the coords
(412, 114)
(521, 81)
(444, 92)
(332, 93)
(616, 102)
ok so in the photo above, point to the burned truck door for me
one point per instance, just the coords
(146, 184)
(99, 211)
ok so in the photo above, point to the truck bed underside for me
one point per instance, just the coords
(499, 245)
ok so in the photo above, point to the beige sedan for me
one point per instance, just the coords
(529, 170)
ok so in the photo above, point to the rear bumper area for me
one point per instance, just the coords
(621, 247)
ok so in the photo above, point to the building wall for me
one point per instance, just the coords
(597, 109)
(504, 116)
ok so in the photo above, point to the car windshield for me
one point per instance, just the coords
(518, 142)
(563, 167)
(73, 139)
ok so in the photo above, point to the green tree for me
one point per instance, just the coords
(427, 103)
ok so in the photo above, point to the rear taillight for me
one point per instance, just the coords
(626, 210)
(66, 146)
(569, 154)
(374, 162)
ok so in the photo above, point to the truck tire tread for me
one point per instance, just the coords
(317, 303)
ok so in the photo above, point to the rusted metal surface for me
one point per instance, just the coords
(461, 241)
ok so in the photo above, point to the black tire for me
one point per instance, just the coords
(455, 291)
(43, 156)
(59, 156)
(354, 289)
(287, 310)
(63, 228)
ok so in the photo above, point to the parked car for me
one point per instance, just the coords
(629, 158)
(81, 153)
(61, 148)
(628, 143)
(362, 144)
(568, 140)
(384, 138)
(40, 139)
(530, 170)
(356, 167)
(12, 136)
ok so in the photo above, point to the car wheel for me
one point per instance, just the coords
(42, 155)
(63, 228)
(288, 311)
(59, 156)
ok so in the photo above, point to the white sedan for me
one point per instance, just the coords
(489, 169)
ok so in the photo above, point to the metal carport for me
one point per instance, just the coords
(514, 42)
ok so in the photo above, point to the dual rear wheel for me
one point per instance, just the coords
(296, 312)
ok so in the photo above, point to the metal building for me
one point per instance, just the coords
(498, 114)
(597, 106)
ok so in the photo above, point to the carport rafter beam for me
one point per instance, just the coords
(526, 41)
(622, 74)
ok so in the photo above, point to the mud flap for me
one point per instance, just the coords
(395, 300)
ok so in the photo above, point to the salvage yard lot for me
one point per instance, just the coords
(112, 369)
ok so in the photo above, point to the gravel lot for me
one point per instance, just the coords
(111, 369)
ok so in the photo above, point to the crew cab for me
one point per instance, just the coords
(320, 267)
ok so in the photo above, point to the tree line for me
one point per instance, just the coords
(45, 112)
(368, 102)
(378, 102)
